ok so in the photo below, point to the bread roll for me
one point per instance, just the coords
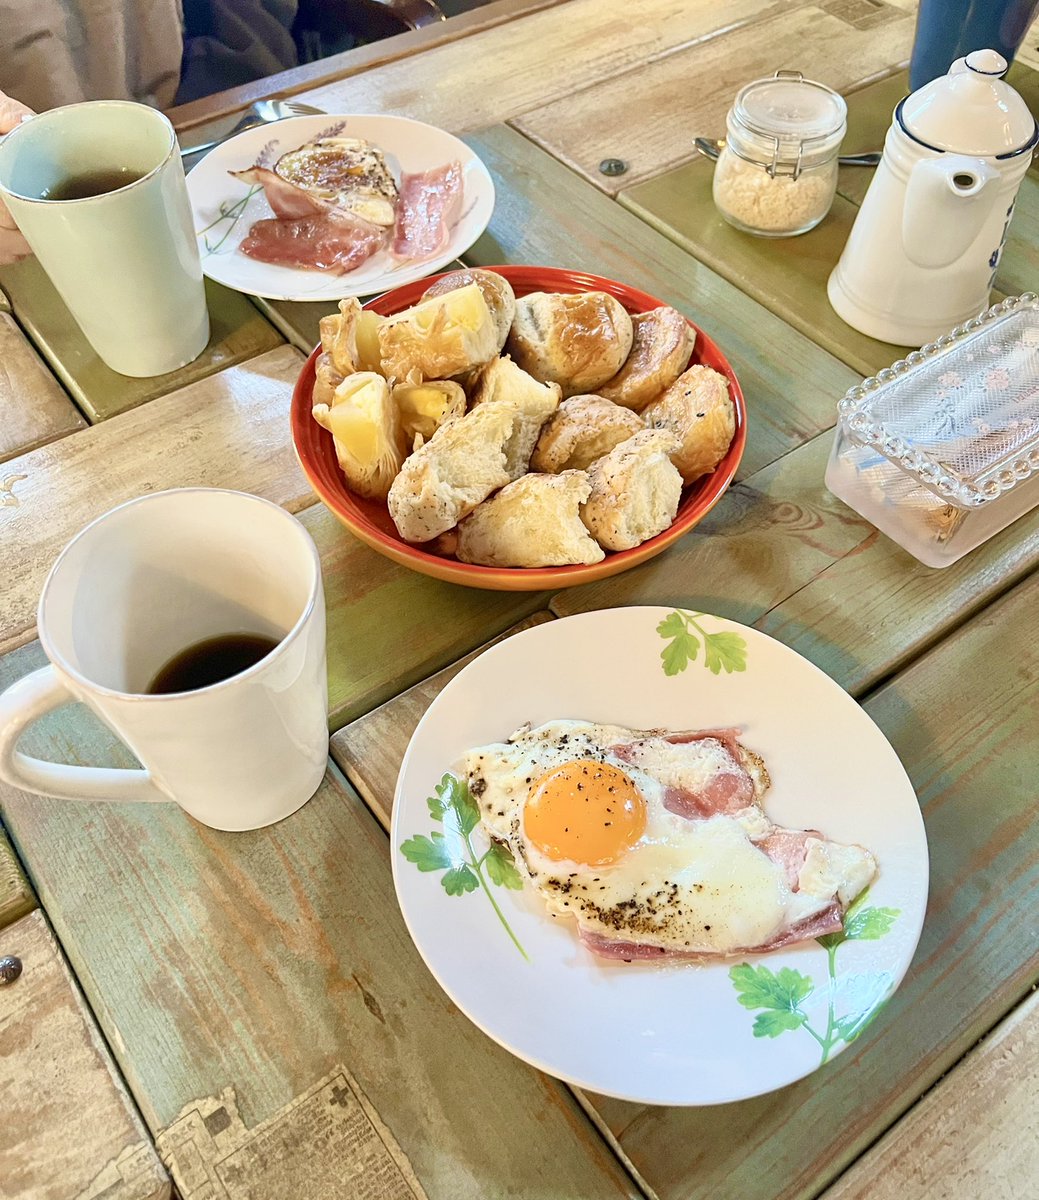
(533, 522)
(326, 380)
(502, 382)
(635, 491)
(578, 341)
(662, 343)
(697, 408)
(583, 429)
(423, 407)
(445, 479)
(496, 289)
(439, 338)
(368, 438)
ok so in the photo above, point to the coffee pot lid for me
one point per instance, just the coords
(971, 110)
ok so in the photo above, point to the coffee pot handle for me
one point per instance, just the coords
(25, 702)
(946, 203)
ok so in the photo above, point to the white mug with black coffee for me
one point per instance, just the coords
(192, 622)
(98, 191)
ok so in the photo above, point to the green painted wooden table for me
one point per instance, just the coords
(236, 1000)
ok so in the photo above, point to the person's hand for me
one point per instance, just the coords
(12, 244)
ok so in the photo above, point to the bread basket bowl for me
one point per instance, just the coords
(370, 521)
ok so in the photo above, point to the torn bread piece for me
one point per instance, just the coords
(423, 407)
(496, 289)
(368, 439)
(533, 522)
(501, 381)
(439, 338)
(350, 337)
(581, 430)
(661, 345)
(635, 491)
(698, 409)
(447, 477)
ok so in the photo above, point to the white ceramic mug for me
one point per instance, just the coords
(140, 585)
(126, 262)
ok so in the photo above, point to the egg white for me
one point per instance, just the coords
(692, 887)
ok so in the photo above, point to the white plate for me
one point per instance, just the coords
(684, 1033)
(408, 145)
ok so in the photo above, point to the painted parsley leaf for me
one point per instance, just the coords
(683, 646)
(861, 923)
(429, 854)
(460, 880)
(781, 990)
(772, 1023)
(501, 870)
(724, 652)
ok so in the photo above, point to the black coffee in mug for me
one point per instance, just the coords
(211, 661)
(91, 183)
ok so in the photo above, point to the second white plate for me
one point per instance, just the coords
(222, 214)
(662, 1034)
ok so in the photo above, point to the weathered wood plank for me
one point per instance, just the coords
(974, 1135)
(369, 750)
(207, 110)
(970, 752)
(546, 215)
(648, 115)
(16, 897)
(496, 74)
(238, 332)
(230, 430)
(260, 961)
(781, 553)
(786, 275)
(70, 1129)
(35, 409)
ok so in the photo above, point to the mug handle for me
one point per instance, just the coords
(25, 702)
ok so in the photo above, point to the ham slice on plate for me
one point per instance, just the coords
(285, 199)
(430, 203)
(332, 241)
(701, 780)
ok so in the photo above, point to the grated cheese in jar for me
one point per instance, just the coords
(752, 200)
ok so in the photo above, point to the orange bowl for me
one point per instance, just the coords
(371, 522)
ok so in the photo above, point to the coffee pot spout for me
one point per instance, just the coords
(947, 203)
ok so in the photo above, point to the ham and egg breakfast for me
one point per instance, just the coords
(542, 431)
(657, 844)
(336, 203)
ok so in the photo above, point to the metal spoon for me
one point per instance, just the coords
(712, 147)
(262, 112)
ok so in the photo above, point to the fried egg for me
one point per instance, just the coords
(656, 843)
(349, 171)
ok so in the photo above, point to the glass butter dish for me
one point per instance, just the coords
(941, 450)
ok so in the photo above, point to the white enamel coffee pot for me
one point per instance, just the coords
(926, 242)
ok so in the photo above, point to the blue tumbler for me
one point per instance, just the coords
(948, 29)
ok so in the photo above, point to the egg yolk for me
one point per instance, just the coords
(585, 811)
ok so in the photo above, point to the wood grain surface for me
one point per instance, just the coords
(34, 406)
(546, 215)
(648, 115)
(69, 1127)
(260, 960)
(497, 74)
(230, 430)
(238, 331)
(16, 897)
(974, 1135)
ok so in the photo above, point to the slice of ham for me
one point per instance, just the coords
(830, 920)
(285, 199)
(430, 202)
(333, 241)
(726, 791)
(787, 848)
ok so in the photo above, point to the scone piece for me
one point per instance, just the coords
(698, 409)
(635, 491)
(350, 337)
(445, 479)
(368, 438)
(534, 522)
(502, 382)
(578, 341)
(583, 429)
(423, 407)
(662, 343)
(439, 338)
(326, 380)
(496, 289)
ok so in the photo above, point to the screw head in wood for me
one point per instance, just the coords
(10, 969)
(613, 166)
